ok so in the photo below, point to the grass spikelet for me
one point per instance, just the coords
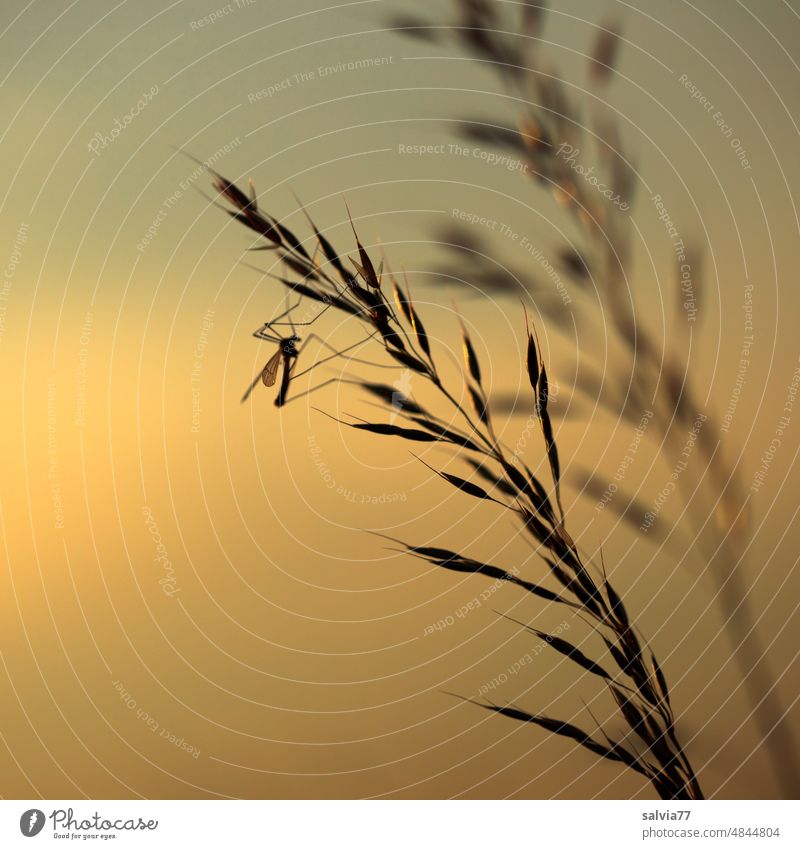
(415, 27)
(229, 190)
(617, 607)
(486, 474)
(402, 303)
(645, 704)
(447, 434)
(542, 392)
(562, 729)
(532, 356)
(464, 485)
(533, 12)
(394, 430)
(479, 405)
(366, 268)
(566, 649)
(419, 330)
(660, 679)
(470, 357)
(410, 361)
(604, 54)
(416, 322)
(333, 257)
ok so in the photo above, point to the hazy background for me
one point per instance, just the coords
(291, 653)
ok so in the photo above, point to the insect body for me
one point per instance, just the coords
(287, 354)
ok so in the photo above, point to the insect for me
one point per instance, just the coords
(288, 352)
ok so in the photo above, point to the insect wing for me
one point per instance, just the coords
(271, 369)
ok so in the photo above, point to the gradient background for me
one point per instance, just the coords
(294, 656)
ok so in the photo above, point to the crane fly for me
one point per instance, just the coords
(288, 352)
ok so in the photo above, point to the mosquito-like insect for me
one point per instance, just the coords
(288, 353)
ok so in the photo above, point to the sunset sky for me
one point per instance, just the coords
(192, 603)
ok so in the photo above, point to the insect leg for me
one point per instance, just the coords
(261, 332)
(250, 388)
(341, 353)
(306, 392)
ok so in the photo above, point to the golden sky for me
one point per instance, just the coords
(191, 603)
